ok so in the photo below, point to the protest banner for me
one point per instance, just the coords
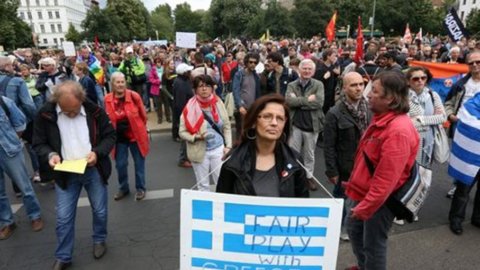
(454, 26)
(233, 232)
(186, 40)
(69, 48)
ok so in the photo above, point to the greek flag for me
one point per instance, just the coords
(222, 231)
(465, 157)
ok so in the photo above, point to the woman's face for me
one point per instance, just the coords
(171, 65)
(119, 86)
(270, 122)
(204, 90)
(418, 80)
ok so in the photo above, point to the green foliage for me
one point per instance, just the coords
(234, 18)
(105, 24)
(72, 34)
(162, 21)
(311, 16)
(134, 18)
(187, 20)
(277, 20)
(14, 32)
(473, 23)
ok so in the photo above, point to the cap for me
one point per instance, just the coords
(183, 68)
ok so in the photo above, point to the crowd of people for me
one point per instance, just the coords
(249, 116)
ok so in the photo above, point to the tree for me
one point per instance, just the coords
(277, 20)
(187, 20)
(229, 17)
(72, 34)
(133, 16)
(310, 17)
(473, 22)
(104, 24)
(14, 32)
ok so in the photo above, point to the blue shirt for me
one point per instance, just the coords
(9, 126)
(213, 139)
(17, 91)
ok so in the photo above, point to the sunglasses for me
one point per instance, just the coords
(416, 79)
(252, 62)
(474, 62)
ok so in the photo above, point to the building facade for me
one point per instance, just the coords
(50, 19)
(465, 6)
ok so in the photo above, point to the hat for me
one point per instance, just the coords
(210, 56)
(183, 68)
(129, 49)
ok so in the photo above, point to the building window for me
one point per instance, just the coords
(22, 15)
(59, 26)
(474, 1)
(62, 40)
(464, 3)
(57, 14)
(55, 2)
(42, 28)
(40, 15)
(55, 41)
(52, 27)
(28, 2)
(45, 41)
(50, 15)
(462, 14)
(29, 14)
(46, 2)
(37, 2)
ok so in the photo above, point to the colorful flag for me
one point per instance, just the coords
(465, 158)
(407, 37)
(330, 29)
(444, 75)
(359, 50)
(95, 67)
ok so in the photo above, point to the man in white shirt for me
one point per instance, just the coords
(70, 127)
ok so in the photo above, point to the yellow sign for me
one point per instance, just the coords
(72, 166)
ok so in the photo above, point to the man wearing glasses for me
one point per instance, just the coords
(246, 88)
(305, 98)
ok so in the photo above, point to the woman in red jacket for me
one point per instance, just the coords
(127, 113)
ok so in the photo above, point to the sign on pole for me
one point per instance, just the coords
(186, 40)
(233, 232)
(69, 48)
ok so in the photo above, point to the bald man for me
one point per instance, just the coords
(344, 125)
(70, 127)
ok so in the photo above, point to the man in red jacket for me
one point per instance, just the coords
(391, 143)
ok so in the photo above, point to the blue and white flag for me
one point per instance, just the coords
(465, 157)
(232, 232)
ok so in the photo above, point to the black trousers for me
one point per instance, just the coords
(460, 201)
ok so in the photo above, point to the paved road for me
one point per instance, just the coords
(145, 235)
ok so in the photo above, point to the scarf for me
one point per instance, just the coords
(427, 135)
(193, 112)
(359, 113)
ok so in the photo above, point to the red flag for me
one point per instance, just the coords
(97, 44)
(359, 50)
(407, 38)
(330, 29)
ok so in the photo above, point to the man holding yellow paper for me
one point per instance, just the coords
(71, 128)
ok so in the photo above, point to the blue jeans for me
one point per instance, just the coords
(121, 163)
(16, 169)
(66, 206)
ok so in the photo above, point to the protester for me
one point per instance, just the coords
(391, 144)
(134, 70)
(69, 127)
(126, 112)
(81, 71)
(206, 128)
(155, 79)
(263, 164)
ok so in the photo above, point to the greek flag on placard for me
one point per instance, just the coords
(465, 157)
(232, 232)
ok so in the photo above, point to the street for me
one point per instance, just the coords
(145, 234)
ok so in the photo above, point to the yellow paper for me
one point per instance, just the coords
(72, 166)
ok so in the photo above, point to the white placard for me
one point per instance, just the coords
(223, 231)
(69, 48)
(186, 40)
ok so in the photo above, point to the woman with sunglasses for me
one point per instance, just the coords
(263, 164)
(426, 112)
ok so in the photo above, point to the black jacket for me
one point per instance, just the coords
(237, 172)
(288, 75)
(46, 139)
(341, 137)
(182, 92)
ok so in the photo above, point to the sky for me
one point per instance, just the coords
(195, 4)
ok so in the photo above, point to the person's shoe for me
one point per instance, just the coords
(58, 265)
(185, 164)
(311, 184)
(120, 195)
(344, 237)
(7, 231)
(415, 218)
(400, 222)
(99, 249)
(456, 227)
(140, 195)
(18, 194)
(36, 178)
(451, 192)
(159, 121)
(37, 225)
(169, 120)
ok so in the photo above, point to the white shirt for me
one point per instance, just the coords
(471, 88)
(74, 134)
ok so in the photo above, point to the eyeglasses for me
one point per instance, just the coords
(205, 86)
(474, 62)
(252, 62)
(269, 118)
(416, 79)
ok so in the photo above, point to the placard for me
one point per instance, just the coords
(69, 48)
(233, 232)
(186, 40)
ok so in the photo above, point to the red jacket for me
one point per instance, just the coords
(137, 118)
(391, 143)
